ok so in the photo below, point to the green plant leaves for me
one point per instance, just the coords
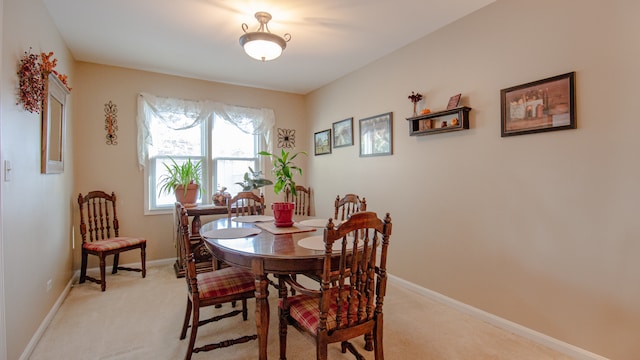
(283, 169)
(183, 174)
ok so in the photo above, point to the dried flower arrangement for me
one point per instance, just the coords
(32, 74)
(415, 97)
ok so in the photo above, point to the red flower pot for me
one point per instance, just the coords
(283, 213)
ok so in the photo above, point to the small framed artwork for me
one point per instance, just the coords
(454, 101)
(322, 142)
(376, 135)
(343, 133)
(539, 106)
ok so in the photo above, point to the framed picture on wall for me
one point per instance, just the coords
(376, 135)
(343, 133)
(322, 142)
(543, 105)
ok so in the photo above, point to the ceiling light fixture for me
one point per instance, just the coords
(262, 44)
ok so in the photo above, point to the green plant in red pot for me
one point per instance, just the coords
(283, 170)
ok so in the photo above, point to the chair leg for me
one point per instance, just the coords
(116, 260)
(377, 340)
(321, 350)
(103, 277)
(194, 331)
(368, 341)
(245, 312)
(295, 278)
(83, 268)
(143, 257)
(187, 316)
(282, 325)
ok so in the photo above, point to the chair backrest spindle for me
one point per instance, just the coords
(348, 205)
(246, 203)
(302, 200)
(99, 209)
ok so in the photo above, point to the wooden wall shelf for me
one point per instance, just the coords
(432, 123)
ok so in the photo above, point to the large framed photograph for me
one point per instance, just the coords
(322, 142)
(543, 105)
(343, 133)
(376, 135)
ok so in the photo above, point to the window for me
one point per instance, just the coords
(226, 139)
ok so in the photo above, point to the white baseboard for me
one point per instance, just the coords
(47, 320)
(63, 295)
(540, 338)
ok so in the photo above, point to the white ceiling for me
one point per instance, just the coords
(199, 38)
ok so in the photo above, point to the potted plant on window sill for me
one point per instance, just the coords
(183, 180)
(283, 170)
(253, 180)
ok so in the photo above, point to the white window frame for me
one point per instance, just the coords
(256, 121)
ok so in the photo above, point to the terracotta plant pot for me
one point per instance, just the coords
(283, 213)
(191, 198)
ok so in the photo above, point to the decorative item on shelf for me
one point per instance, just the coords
(262, 44)
(221, 197)
(184, 180)
(253, 180)
(440, 121)
(415, 98)
(286, 138)
(33, 71)
(111, 122)
(283, 169)
(454, 101)
(425, 111)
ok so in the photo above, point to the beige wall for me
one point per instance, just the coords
(36, 208)
(538, 229)
(115, 168)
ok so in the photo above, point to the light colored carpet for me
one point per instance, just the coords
(141, 319)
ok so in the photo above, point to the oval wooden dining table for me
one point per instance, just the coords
(262, 254)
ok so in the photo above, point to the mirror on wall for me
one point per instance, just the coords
(53, 126)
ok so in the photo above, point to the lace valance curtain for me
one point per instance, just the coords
(181, 114)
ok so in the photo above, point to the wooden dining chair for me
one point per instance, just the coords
(302, 200)
(100, 231)
(212, 288)
(353, 285)
(349, 204)
(246, 203)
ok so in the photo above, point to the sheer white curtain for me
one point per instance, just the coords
(182, 114)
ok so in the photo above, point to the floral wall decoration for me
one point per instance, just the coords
(33, 70)
(111, 122)
(286, 138)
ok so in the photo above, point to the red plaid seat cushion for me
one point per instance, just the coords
(113, 243)
(227, 281)
(305, 310)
